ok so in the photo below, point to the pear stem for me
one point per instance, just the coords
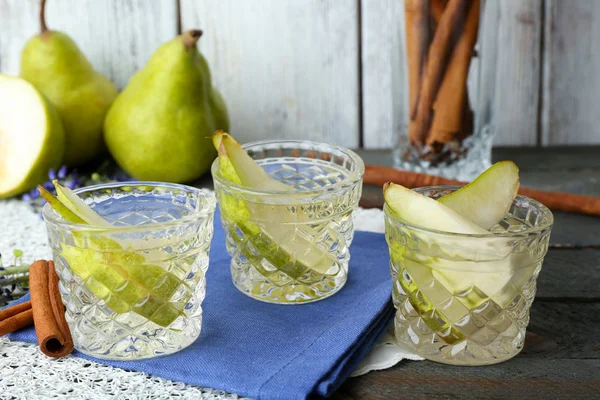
(43, 26)
(190, 38)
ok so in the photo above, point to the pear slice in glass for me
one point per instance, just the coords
(419, 210)
(442, 264)
(122, 278)
(79, 207)
(276, 241)
(487, 199)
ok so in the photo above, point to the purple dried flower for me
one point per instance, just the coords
(62, 172)
(72, 184)
(48, 186)
(72, 180)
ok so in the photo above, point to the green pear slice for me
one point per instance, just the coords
(59, 207)
(276, 241)
(122, 278)
(32, 139)
(487, 199)
(79, 207)
(250, 173)
(419, 210)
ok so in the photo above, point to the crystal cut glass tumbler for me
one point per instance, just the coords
(134, 290)
(292, 246)
(465, 299)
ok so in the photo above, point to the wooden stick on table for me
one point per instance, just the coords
(556, 201)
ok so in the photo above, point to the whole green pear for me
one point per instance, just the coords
(53, 63)
(157, 127)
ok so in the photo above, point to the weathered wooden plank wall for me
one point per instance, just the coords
(516, 27)
(571, 72)
(286, 68)
(333, 70)
(117, 36)
(384, 100)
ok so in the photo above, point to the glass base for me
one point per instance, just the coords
(463, 162)
(250, 282)
(148, 341)
(100, 332)
(493, 343)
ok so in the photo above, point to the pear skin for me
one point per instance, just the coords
(157, 127)
(487, 199)
(54, 64)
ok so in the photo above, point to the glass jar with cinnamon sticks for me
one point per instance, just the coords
(443, 133)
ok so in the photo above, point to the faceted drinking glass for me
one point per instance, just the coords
(291, 246)
(134, 290)
(465, 299)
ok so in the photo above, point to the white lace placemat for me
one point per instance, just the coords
(26, 373)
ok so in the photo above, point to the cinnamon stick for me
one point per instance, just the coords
(16, 317)
(436, 63)
(556, 201)
(51, 327)
(417, 37)
(437, 9)
(450, 100)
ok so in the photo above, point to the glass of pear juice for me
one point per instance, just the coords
(135, 290)
(289, 241)
(464, 299)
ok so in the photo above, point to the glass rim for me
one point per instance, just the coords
(547, 219)
(352, 179)
(51, 216)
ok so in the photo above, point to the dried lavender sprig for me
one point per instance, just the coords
(14, 279)
(66, 178)
(106, 173)
(13, 270)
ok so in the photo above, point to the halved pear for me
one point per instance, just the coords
(280, 243)
(487, 199)
(32, 139)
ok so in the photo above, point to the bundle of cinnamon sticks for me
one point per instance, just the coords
(45, 311)
(440, 40)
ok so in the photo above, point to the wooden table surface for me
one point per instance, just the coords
(561, 358)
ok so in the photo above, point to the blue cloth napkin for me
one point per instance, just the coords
(268, 351)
